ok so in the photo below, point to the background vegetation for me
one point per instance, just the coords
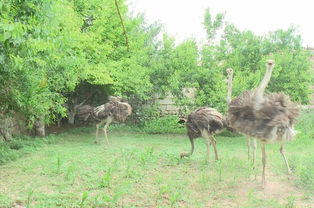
(57, 54)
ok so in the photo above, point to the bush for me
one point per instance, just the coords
(165, 124)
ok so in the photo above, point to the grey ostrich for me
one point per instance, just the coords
(113, 111)
(248, 139)
(203, 122)
(268, 118)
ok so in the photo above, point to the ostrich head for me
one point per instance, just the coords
(182, 120)
(270, 64)
(229, 71)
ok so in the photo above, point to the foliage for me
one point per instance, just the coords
(48, 47)
(246, 53)
(53, 52)
(165, 124)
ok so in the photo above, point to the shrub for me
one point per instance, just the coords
(165, 124)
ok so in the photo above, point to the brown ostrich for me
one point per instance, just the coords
(248, 139)
(203, 122)
(113, 111)
(268, 118)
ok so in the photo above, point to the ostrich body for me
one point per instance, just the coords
(204, 122)
(112, 111)
(268, 118)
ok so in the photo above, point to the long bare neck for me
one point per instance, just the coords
(259, 93)
(229, 92)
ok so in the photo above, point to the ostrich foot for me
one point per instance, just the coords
(184, 154)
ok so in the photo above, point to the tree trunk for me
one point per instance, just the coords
(40, 127)
(71, 118)
(6, 127)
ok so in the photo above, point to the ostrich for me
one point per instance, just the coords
(206, 122)
(268, 118)
(203, 122)
(248, 139)
(113, 111)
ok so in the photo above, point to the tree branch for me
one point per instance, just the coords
(124, 31)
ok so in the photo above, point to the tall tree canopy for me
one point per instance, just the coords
(50, 49)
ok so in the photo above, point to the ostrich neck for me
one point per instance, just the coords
(229, 92)
(262, 86)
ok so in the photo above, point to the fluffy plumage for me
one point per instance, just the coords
(204, 122)
(274, 121)
(112, 111)
(204, 118)
(119, 111)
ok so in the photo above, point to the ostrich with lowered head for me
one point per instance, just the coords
(203, 122)
(268, 118)
(206, 122)
(113, 111)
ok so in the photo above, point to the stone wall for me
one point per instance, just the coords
(167, 104)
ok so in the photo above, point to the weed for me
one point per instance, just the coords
(29, 198)
(111, 201)
(59, 164)
(105, 181)
(84, 197)
(174, 197)
(70, 175)
(146, 155)
(291, 202)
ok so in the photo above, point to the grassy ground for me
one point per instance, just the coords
(142, 170)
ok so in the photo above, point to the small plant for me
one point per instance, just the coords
(59, 163)
(291, 202)
(105, 181)
(29, 198)
(69, 175)
(84, 197)
(174, 197)
(111, 201)
(146, 155)
(163, 189)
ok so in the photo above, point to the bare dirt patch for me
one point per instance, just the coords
(278, 188)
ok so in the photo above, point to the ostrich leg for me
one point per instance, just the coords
(264, 157)
(213, 140)
(284, 157)
(254, 152)
(108, 122)
(187, 154)
(248, 144)
(97, 131)
(208, 143)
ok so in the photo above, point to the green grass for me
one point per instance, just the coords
(143, 170)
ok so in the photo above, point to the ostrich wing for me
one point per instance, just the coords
(279, 110)
(205, 119)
